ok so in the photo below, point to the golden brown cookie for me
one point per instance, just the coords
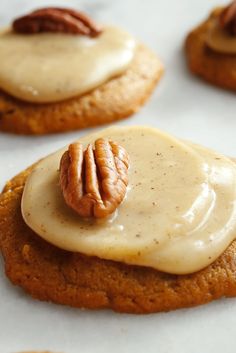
(216, 68)
(49, 273)
(114, 100)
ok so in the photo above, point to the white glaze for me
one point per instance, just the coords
(179, 214)
(219, 40)
(49, 67)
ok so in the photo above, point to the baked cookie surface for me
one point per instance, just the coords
(51, 274)
(214, 67)
(116, 99)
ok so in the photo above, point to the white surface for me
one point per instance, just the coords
(182, 105)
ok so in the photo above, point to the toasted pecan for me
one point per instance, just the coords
(53, 19)
(228, 19)
(94, 181)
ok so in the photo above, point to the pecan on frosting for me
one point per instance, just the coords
(94, 181)
(228, 19)
(52, 19)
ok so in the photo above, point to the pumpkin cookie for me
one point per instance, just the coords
(211, 48)
(114, 100)
(138, 260)
(71, 77)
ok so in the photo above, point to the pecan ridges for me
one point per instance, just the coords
(52, 19)
(94, 181)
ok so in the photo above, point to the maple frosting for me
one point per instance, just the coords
(50, 67)
(178, 216)
(219, 40)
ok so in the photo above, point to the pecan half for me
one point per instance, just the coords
(53, 19)
(228, 19)
(94, 181)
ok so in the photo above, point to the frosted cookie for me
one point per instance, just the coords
(211, 48)
(128, 218)
(60, 71)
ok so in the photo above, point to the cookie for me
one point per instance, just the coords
(214, 67)
(116, 99)
(51, 274)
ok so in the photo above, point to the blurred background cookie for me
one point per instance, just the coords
(211, 48)
(69, 73)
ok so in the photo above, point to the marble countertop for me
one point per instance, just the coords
(182, 105)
